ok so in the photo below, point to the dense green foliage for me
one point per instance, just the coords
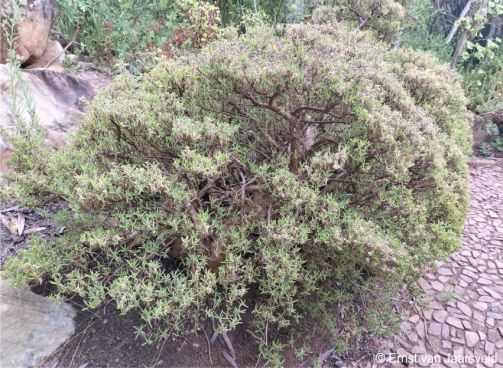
(483, 82)
(424, 32)
(124, 29)
(384, 17)
(263, 173)
(476, 48)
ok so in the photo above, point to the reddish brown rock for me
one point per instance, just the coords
(33, 30)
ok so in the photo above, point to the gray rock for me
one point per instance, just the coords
(472, 338)
(435, 329)
(57, 98)
(31, 326)
(454, 322)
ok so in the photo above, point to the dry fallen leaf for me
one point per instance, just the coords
(229, 359)
(229, 345)
(34, 230)
(10, 209)
(20, 223)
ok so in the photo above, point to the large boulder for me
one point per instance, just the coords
(32, 326)
(33, 30)
(52, 58)
(57, 97)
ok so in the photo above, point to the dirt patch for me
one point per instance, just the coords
(104, 338)
(15, 235)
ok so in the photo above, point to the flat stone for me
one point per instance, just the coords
(493, 335)
(413, 337)
(429, 276)
(32, 326)
(491, 292)
(464, 308)
(405, 327)
(420, 329)
(434, 343)
(478, 316)
(435, 329)
(489, 347)
(425, 285)
(446, 344)
(444, 271)
(458, 351)
(469, 273)
(454, 322)
(472, 338)
(466, 253)
(481, 306)
(418, 349)
(484, 281)
(462, 283)
(440, 315)
(460, 340)
(486, 299)
(445, 331)
(437, 286)
(470, 324)
(414, 319)
(465, 278)
(467, 325)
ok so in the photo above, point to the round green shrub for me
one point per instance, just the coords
(263, 173)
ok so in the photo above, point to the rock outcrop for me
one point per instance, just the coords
(52, 58)
(32, 33)
(31, 326)
(57, 97)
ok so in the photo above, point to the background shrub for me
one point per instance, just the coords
(117, 29)
(384, 17)
(270, 173)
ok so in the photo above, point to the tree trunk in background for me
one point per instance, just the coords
(224, 11)
(456, 24)
(460, 47)
(495, 28)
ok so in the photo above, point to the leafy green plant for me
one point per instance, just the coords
(24, 135)
(498, 144)
(382, 16)
(485, 149)
(446, 296)
(423, 32)
(483, 83)
(267, 173)
(129, 30)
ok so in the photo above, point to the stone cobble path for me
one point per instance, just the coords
(462, 314)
